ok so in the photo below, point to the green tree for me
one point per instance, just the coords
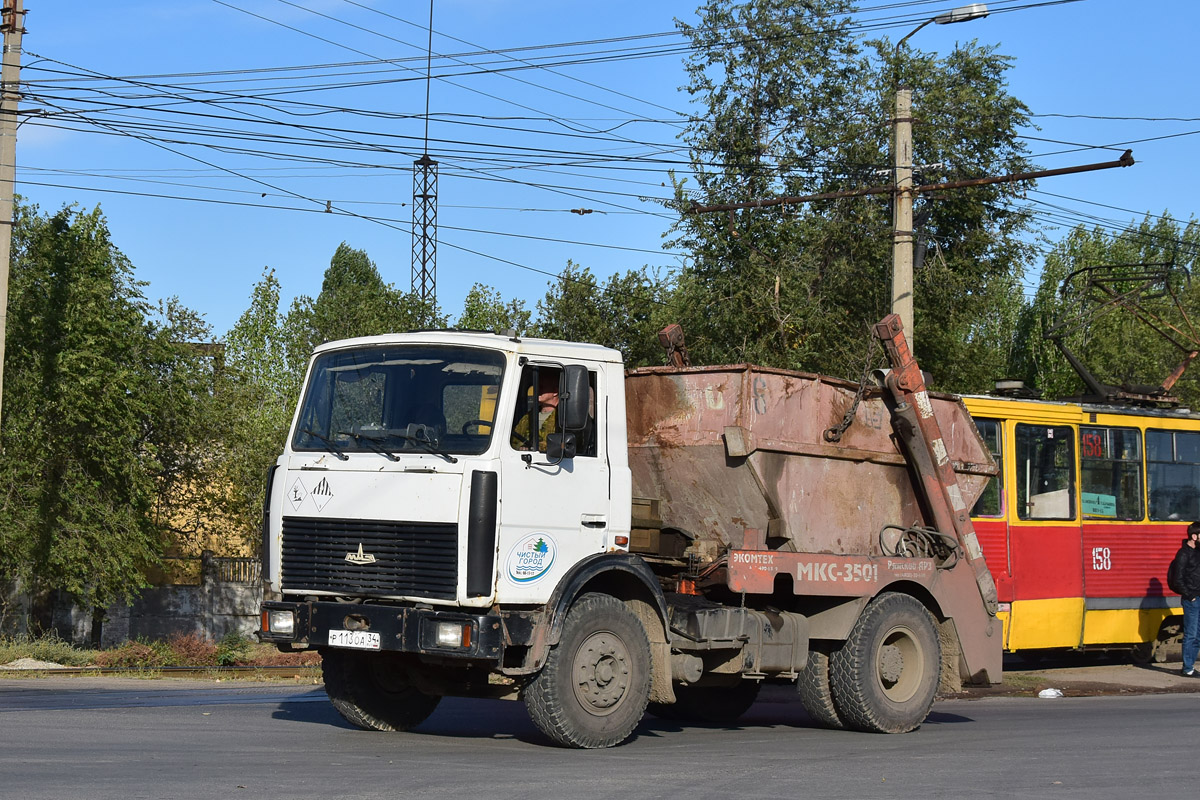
(105, 412)
(258, 389)
(485, 310)
(1114, 345)
(266, 354)
(356, 301)
(625, 312)
(790, 103)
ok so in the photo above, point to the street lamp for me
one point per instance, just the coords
(902, 230)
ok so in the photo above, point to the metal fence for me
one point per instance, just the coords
(233, 570)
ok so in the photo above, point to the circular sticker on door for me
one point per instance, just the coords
(531, 558)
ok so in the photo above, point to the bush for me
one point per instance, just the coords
(179, 650)
(265, 655)
(233, 650)
(140, 654)
(193, 650)
(44, 648)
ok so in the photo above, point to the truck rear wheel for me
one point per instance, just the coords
(885, 676)
(372, 691)
(720, 705)
(595, 685)
(816, 695)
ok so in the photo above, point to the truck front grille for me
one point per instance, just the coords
(354, 556)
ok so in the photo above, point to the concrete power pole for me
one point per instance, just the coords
(13, 25)
(902, 228)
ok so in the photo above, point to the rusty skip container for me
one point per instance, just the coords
(733, 447)
(735, 458)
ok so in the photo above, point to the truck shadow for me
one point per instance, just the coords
(319, 712)
(464, 718)
(455, 717)
(775, 715)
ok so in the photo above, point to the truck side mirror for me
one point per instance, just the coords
(573, 397)
(560, 446)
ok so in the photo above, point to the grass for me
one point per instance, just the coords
(190, 650)
(44, 648)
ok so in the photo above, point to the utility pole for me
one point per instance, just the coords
(902, 203)
(13, 26)
(902, 217)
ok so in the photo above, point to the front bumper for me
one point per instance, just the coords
(401, 629)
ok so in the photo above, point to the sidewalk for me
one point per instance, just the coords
(1082, 679)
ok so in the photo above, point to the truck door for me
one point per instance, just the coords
(553, 511)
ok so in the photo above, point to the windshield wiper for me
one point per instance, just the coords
(329, 445)
(426, 444)
(373, 442)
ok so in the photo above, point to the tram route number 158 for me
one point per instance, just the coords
(1101, 558)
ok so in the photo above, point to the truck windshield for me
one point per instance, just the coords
(393, 399)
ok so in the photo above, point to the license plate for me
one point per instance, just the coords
(358, 640)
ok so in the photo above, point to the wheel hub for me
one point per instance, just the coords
(601, 672)
(899, 664)
(891, 664)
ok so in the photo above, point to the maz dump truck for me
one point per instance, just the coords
(474, 514)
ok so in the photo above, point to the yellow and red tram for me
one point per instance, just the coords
(1078, 528)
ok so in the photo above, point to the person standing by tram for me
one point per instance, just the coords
(1183, 577)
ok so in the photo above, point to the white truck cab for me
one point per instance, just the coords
(400, 439)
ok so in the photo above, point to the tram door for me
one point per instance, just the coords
(991, 525)
(1048, 599)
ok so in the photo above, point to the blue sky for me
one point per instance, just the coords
(517, 148)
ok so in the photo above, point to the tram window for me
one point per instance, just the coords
(1173, 474)
(1045, 472)
(1111, 473)
(988, 504)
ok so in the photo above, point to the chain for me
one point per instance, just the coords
(834, 434)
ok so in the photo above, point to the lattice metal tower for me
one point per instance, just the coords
(424, 207)
(424, 229)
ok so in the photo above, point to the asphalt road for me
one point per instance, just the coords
(150, 739)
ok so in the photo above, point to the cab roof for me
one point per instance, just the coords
(521, 346)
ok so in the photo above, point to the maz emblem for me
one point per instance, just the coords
(360, 557)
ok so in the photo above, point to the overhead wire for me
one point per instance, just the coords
(567, 154)
(373, 32)
(355, 50)
(523, 61)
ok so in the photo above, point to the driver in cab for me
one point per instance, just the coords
(547, 412)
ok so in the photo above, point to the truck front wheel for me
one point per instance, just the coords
(595, 685)
(885, 676)
(373, 692)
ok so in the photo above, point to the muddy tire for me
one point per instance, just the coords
(885, 676)
(595, 685)
(372, 691)
(815, 692)
(720, 705)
